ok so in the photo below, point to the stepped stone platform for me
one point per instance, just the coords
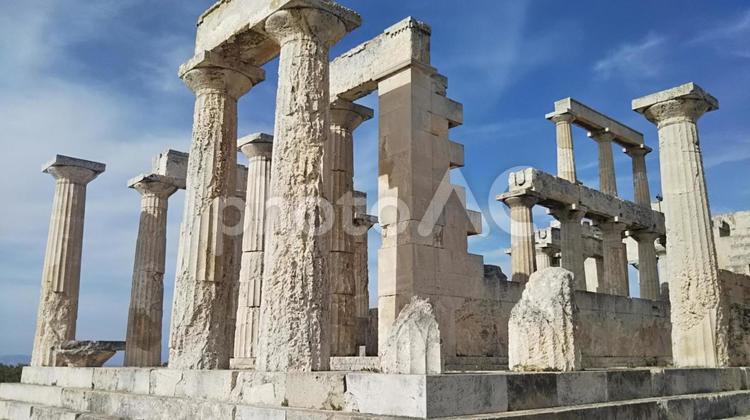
(106, 393)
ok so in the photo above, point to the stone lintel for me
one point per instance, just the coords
(61, 160)
(595, 121)
(241, 23)
(555, 192)
(356, 73)
(208, 59)
(176, 182)
(174, 164)
(686, 91)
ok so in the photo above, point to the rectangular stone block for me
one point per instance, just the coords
(574, 388)
(211, 384)
(38, 394)
(123, 380)
(532, 390)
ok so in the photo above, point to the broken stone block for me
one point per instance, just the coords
(86, 353)
(542, 330)
(413, 345)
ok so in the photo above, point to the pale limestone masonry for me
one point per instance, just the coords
(523, 257)
(295, 315)
(143, 339)
(607, 178)
(345, 118)
(86, 353)
(571, 245)
(203, 284)
(61, 275)
(361, 270)
(413, 346)
(614, 258)
(566, 164)
(543, 327)
(258, 149)
(732, 235)
(699, 313)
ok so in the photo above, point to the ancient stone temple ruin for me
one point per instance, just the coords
(271, 316)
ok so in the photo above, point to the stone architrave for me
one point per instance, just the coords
(294, 331)
(614, 280)
(607, 178)
(61, 275)
(523, 256)
(413, 344)
(698, 307)
(258, 149)
(143, 339)
(566, 163)
(345, 118)
(203, 283)
(543, 326)
(571, 242)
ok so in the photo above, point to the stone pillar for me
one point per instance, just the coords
(361, 270)
(236, 229)
(143, 340)
(61, 275)
(198, 338)
(258, 150)
(648, 271)
(607, 178)
(571, 242)
(699, 312)
(566, 163)
(345, 118)
(523, 256)
(545, 257)
(615, 276)
(295, 332)
(640, 177)
(595, 274)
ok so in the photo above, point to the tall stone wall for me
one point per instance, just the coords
(737, 290)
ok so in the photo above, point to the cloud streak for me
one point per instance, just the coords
(633, 61)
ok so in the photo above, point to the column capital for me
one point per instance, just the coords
(643, 235)
(518, 200)
(77, 171)
(349, 115)
(320, 25)
(602, 136)
(209, 71)
(611, 226)
(258, 144)
(562, 118)
(682, 103)
(571, 213)
(637, 151)
(159, 185)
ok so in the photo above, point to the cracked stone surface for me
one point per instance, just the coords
(413, 345)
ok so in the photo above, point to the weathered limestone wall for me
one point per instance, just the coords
(732, 235)
(737, 290)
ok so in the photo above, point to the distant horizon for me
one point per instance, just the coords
(98, 81)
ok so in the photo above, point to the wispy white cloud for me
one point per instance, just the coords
(730, 151)
(727, 36)
(633, 61)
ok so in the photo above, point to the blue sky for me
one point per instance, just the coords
(97, 80)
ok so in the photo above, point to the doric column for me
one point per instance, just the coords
(641, 190)
(607, 178)
(523, 256)
(545, 257)
(345, 118)
(566, 163)
(295, 332)
(699, 313)
(61, 275)
(571, 242)
(648, 271)
(258, 150)
(143, 340)
(361, 271)
(198, 338)
(615, 276)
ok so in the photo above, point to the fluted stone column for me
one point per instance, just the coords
(607, 178)
(545, 257)
(143, 339)
(203, 285)
(523, 255)
(615, 276)
(698, 307)
(295, 331)
(345, 118)
(235, 262)
(640, 177)
(648, 271)
(258, 150)
(61, 275)
(571, 242)
(363, 222)
(566, 163)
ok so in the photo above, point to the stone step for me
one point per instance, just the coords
(718, 405)
(18, 410)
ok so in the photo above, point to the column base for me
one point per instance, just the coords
(242, 363)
